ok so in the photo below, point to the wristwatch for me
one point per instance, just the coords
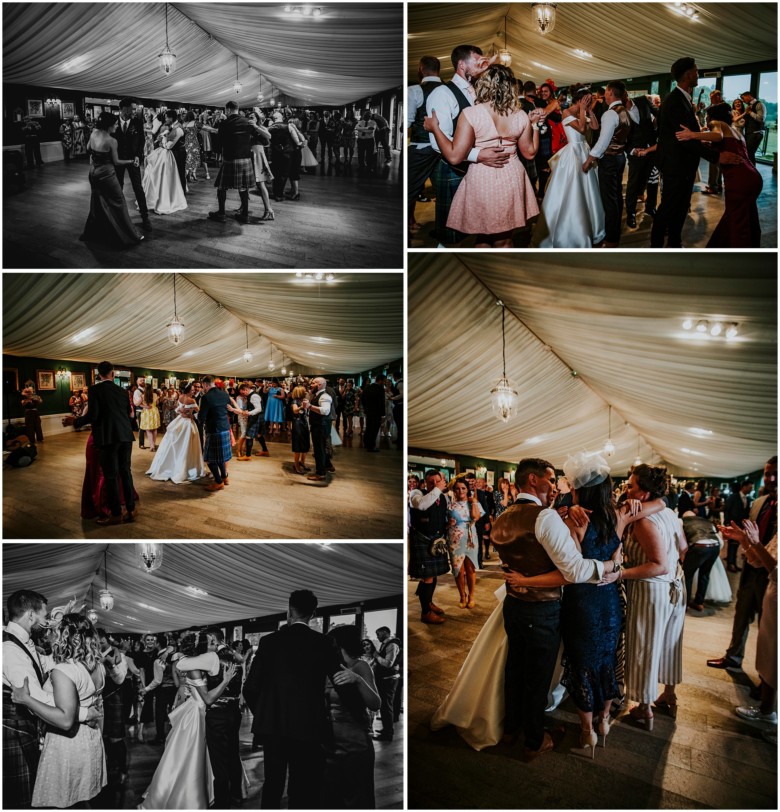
(616, 566)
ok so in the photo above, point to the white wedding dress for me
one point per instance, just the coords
(572, 214)
(161, 183)
(183, 778)
(179, 456)
(719, 588)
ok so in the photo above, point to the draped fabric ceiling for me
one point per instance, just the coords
(240, 580)
(350, 325)
(348, 52)
(625, 39)
(702, 405)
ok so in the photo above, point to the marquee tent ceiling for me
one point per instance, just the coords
(703, 405)
(348, 52)
(350, 325)
(625, 39)
(241, 580)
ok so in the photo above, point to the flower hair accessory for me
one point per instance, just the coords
(552, 85)
(586, 469)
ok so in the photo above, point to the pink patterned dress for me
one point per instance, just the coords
(489, 200)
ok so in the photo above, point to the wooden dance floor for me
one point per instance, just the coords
(343, 220)
(706, 211)
(710, 759)
(388, 771)
(266, 499)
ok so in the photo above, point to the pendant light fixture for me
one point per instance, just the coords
(504, 57)
(609, 446)
(151, 555)
(167, 57)
(283, 370)
(504, 394)
(106, 598)
(638, 460)
(175, 328)
(271, 364)
(237, 86)
(247, 354)
(92, 615)
(544, 16)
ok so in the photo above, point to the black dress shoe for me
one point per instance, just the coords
(380, 737)
(242, 218)
(217, 215)
(631, 221)
(651, 212)
(725, 662)
(145, 224)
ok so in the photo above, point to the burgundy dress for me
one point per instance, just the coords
(739, 227)
(93, 491)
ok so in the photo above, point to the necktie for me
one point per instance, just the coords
(767, 521)
(124, 126)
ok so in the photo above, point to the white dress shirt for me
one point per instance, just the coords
(325, 402)
(609, 122)
(443, 101)
(554, 536)
(422, 501)
(256, 401)
(208, 662)
(17, 666)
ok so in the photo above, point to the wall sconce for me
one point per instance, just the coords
(63, 373)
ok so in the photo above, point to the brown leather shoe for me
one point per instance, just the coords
(316, 477)
(434, 608)
(130, 515)
(215, 486)
(264, 454)
(548, 744)
(107, 520)
(226, 481)
(429, 617)
(331, 469)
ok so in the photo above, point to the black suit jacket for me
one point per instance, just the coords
(673, 155)
(109, 413)
(235, 135)
(734, 512)
(213, 410)
(285, 687)
(130, 145)
(374, 399)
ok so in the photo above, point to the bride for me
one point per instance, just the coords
(572, 214)
(161, 182)
(183, 778)
(179, 456)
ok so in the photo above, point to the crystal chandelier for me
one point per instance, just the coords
(151, 555)
(609, 446)
(544, 16)
(315, 276)
(175, 328)
(237, 86)
(504, 57)
(271, 364)
(504, 394)
(106, 598)
(283, 370)
(247, 354)
(167, 57)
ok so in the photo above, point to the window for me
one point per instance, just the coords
(734, 85)
(767, 92)
(378, 618)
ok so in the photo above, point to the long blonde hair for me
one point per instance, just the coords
(498, 88)
(75, 639)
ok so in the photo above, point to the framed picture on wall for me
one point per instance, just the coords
(35, 108)
(238, 633)
(491, 478)
(68, 109)
(44, 379)
(78, 380)
(154, 383)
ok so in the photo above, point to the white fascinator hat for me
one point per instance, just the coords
(586, 469)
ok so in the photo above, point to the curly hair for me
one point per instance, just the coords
(498, 88)
(75, 639)
(652, 480)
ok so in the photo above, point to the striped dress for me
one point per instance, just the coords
(656, 615)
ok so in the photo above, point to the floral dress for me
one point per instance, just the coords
(192, 148)
(462, 535)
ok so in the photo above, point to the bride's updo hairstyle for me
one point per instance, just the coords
(186, 387)
(193, 643)
(498, 87)
(75, 639)
(105, 121)
(650, 479)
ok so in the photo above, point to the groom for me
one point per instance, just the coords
(285, 690)
(609, 151)
(216, 428)
(532, 539)
(130, 140)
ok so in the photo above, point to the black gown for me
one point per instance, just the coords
(301, 442)
(109, 220)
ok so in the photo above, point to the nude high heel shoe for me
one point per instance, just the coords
(603, 726)
(589, 738)
(640, 718)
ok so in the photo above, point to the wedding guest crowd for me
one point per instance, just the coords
(497, 149)
(89, 693)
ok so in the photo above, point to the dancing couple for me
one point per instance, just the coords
(502, 688)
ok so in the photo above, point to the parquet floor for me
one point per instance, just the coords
(388, 772)
(706, 211)
(709, 759)
(344, 219)
(265, 499)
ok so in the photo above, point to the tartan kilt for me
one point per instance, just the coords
(113, 711)
(421, 563)
(236, 174)
(217, 449)
(446, 181)
(21, 753)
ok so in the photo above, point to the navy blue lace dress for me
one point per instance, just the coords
(590, 627)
